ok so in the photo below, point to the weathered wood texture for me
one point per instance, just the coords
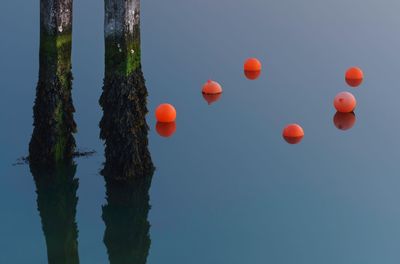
(52, 139)
(124, 97)
(55, 16)
(122, 36)
(56, 200)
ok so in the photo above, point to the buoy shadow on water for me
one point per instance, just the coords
(166, 129)
(344, 121)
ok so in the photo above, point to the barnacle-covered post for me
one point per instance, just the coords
(52, 139)
(56, 189)
(123, 126)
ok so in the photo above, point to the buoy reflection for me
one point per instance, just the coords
(293, 140)
(354, 82)
(212, 98)
(344, 121)
(252, 75)
(166, 129)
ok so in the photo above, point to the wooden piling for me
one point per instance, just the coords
(52, 139)
(123, 126)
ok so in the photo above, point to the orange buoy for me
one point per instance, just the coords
(211, 98)
(293, 133)
(345, 102)
(252, 75)
(354, 76)
(212, 87)
(344, 121)
(252, 64)
(166, 129)
(165, 113)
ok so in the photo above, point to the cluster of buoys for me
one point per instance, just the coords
(344, 103)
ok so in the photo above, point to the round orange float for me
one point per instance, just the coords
(212, 87)
(293, 133)
(252, 65)
(344, 121)
(354, 76)
(345, 102)
(166, 129)
(165, 113)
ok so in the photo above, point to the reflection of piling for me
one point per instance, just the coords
(125, 215)
(52, 138)
(56, 199)
(123, 126)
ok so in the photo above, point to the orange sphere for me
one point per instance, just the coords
(252, 64)
(354, 76)
(252, 75)
(354, 73)
(165, 113)
(345, 102)
(344, 121)
(211, 98)
(166, 129)
(293, 133)
(212, 87)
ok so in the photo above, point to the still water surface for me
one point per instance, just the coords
(227, 188)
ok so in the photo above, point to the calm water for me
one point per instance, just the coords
(227, 188)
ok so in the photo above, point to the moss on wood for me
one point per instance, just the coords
(52, 139)
(123, 126)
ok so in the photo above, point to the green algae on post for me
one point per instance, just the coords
(123, 126)
(52, 139)
(122, 36)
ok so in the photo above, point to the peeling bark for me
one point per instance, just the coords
(56, 200)
(52, 139)
(123, 126)
(127, 233)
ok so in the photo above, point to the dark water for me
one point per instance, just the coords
(227, 188)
